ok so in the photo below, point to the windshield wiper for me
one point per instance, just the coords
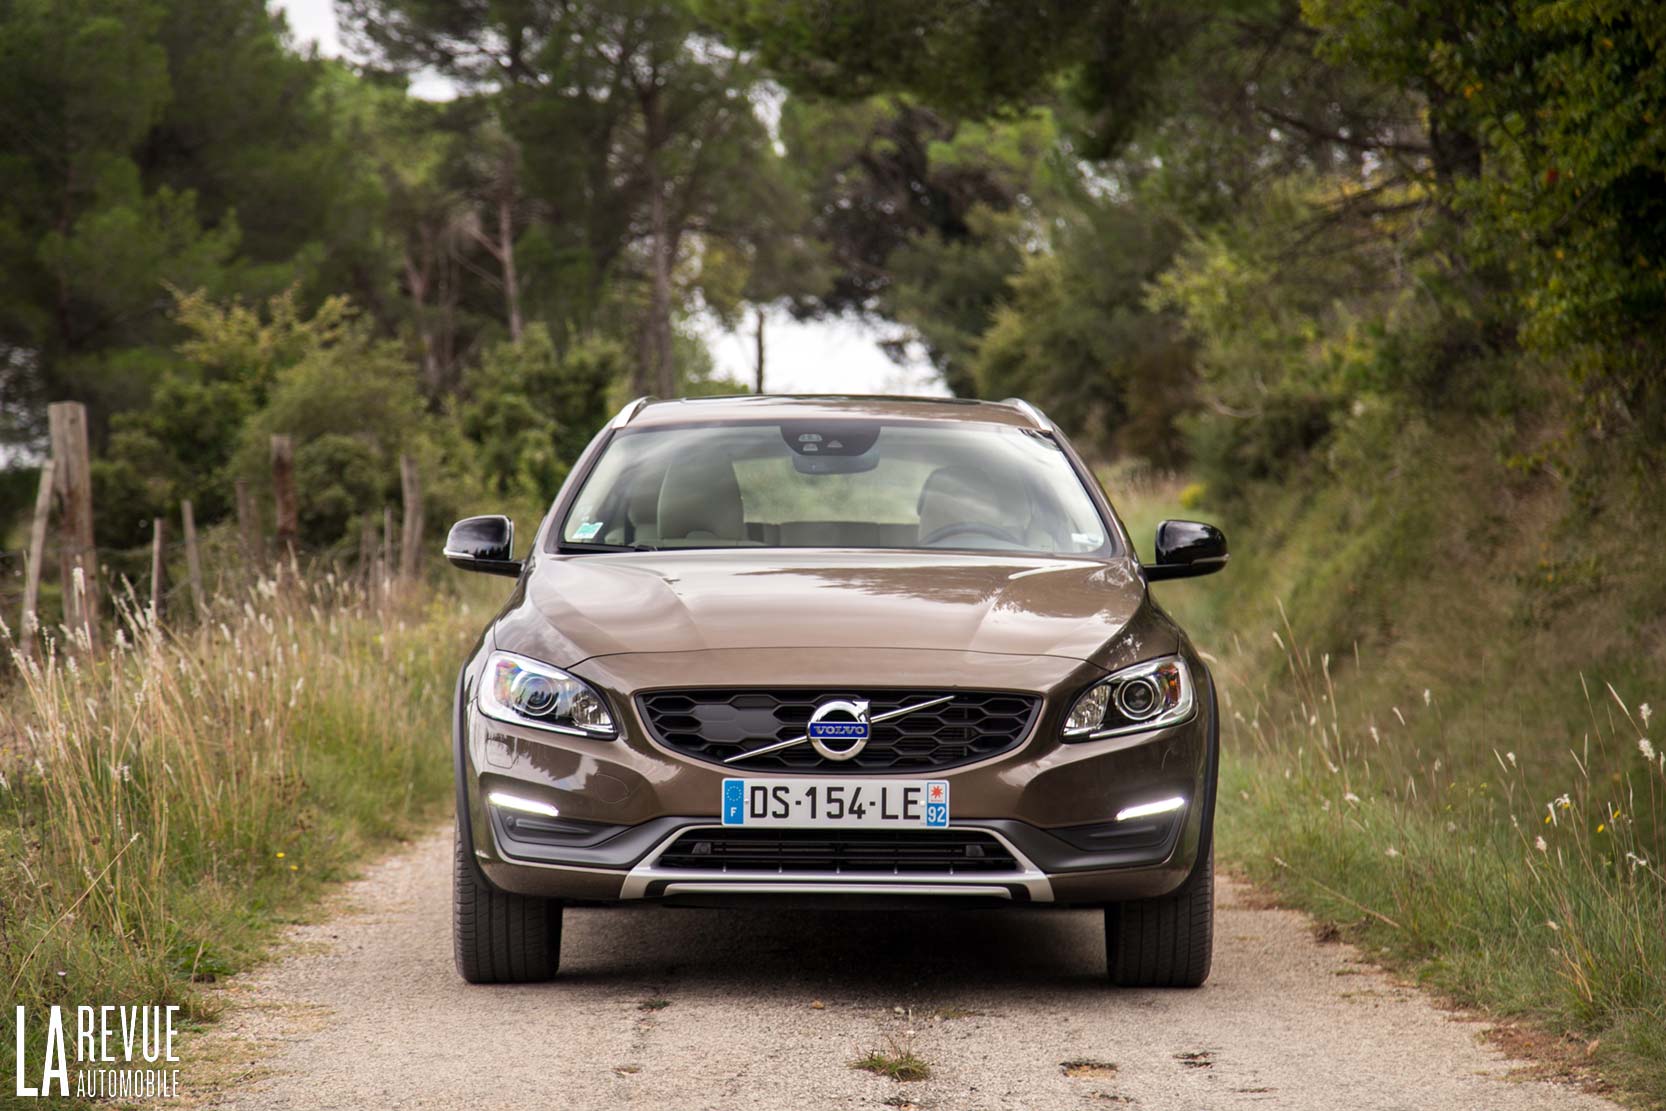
(592, 546)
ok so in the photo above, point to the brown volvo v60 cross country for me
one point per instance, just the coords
(868, 651)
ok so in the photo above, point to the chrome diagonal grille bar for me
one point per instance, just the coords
(789, 742)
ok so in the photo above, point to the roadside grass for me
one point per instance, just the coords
(1449, 759)
(898, 1062)
(165, 810)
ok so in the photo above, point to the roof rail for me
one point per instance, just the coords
(1030, 411)
(628, 413)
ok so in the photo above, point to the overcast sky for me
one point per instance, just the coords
(823, 357)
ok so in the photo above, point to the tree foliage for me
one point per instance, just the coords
(1233, 233)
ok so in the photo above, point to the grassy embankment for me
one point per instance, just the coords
(165, 811)
(1438, 736)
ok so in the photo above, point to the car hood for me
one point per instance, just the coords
(688, 601)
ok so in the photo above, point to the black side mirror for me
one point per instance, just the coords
(1186, 549)
(483, 544)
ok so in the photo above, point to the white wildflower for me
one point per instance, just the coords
(1511, 757)
(1391, 851)
(1350, 797)
(1451, 827)
(122, 773)
(1645, 748)
(1553, 925)
(1376, 738)
(1428, 697)
(1645, 713)
(1540, 844)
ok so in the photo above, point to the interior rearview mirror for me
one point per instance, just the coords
(1186, 549)
(483, 544)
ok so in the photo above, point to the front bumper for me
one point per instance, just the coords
(1051, 805)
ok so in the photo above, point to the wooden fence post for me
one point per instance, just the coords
(283, 496)
(410, 541)
(158, 566)
(37, 552)
(73, 480)
(367, 551)
(193, 561)
(248, 525)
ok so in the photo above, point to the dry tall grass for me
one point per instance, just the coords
(1458, 785)
(1535, 897)
(163, 808)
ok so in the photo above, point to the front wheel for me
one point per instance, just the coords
(499, 937)
(1167, 942)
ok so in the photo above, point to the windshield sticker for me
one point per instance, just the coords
(587, 531)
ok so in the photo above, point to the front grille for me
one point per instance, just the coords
(849, 852)
(716, 724)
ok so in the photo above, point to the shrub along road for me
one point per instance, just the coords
(768, 1009)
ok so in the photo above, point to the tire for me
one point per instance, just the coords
(1167, 942)
(498, 937)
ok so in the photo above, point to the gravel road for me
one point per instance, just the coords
(720, 1009)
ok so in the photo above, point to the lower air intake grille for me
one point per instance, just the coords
(853, 852)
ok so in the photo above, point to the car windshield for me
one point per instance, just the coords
(836, 484)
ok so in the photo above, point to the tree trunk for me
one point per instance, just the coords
(418, 275)
(660, 373)
(506, 259)
(659, 312)
(451, 292)
(1454, 151)
(758, 336)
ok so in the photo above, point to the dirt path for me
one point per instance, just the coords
(690, 1009)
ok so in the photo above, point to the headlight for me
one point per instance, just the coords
(1146, 696)
(525, 692)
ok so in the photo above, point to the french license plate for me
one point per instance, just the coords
(837, 803)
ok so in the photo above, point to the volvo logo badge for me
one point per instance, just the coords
(839, 729)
